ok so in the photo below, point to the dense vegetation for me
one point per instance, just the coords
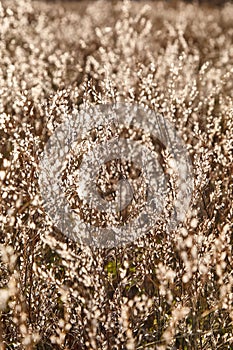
(166, 290)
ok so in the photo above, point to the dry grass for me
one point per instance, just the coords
(165, 291)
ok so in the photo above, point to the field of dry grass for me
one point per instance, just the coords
(167, 289)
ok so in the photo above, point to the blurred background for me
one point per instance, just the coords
(209, 2)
